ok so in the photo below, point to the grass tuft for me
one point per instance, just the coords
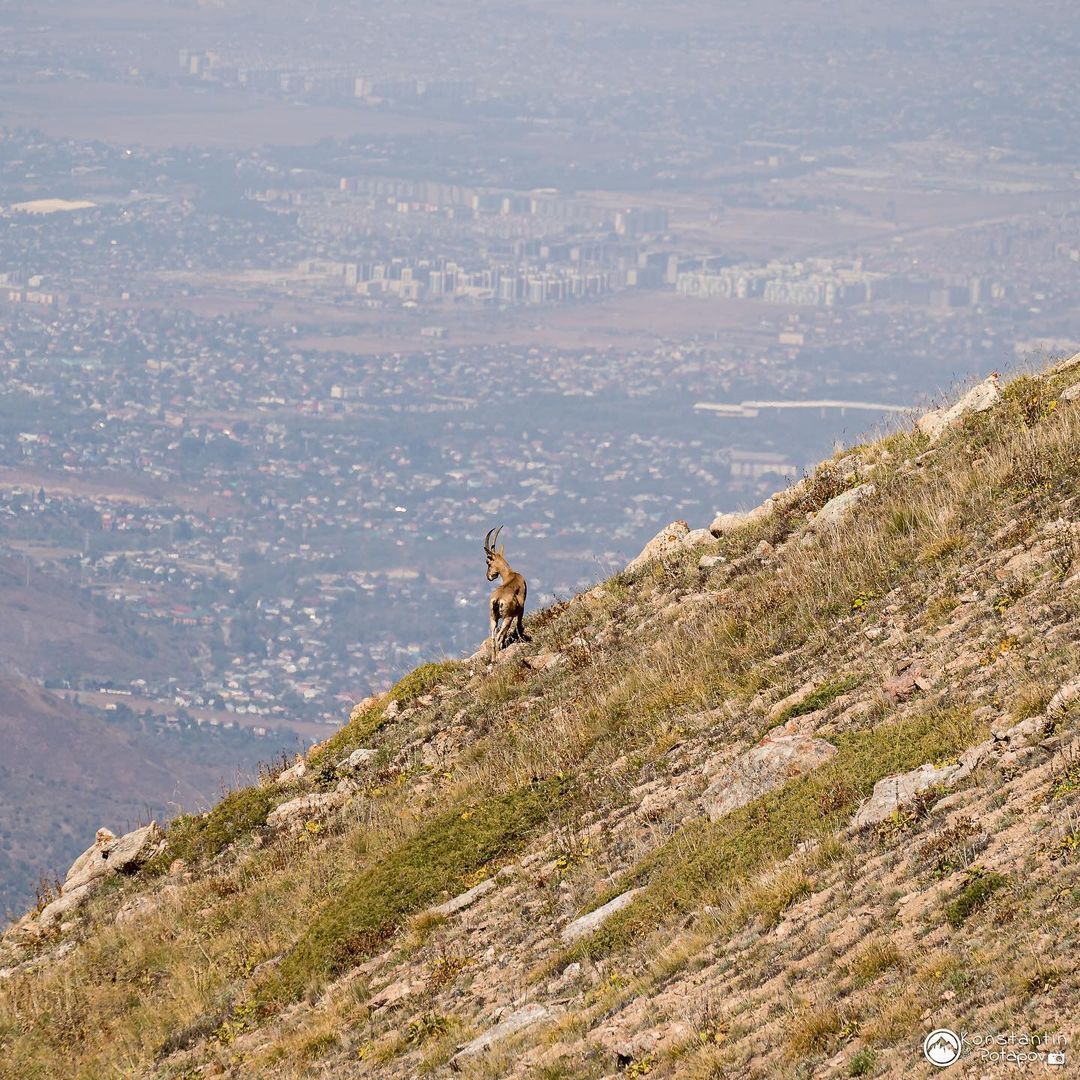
(974, 895)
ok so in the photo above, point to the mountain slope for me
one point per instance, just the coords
(775, 802)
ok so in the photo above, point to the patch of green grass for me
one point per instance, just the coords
(196, 838)
(436, 860)
(862, 1063)
(973, 896)
(421, 681)
(705, 861)
(366, 722)
(824, 695)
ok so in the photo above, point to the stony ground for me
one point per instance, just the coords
(776, 802)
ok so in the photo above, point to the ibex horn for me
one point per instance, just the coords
(487, 540)
(495, 538)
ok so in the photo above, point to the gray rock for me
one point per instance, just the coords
(837, 509)
(936, 423)
(896, 791)
(707, 562)
(769, 765)
(66, 902)
(587, 924)
(516, 1021)
(696, 537)
(723, 524)
(464, 900)
(356, 760)
(1065, 365)
(666, 542)
(111, 854)
(293, 813)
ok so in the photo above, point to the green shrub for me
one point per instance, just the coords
(824, 695)
(973, 896)
(862, 1063)
(196, 837)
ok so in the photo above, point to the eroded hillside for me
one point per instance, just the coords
(776, 801)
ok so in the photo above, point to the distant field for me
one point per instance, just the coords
(181, 116)
(629, 320)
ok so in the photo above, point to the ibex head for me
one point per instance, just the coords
(496, 564)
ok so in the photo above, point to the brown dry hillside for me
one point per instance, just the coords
(776, 801)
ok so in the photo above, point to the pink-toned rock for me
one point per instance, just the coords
(769, 765)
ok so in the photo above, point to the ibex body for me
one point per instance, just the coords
(507, 606)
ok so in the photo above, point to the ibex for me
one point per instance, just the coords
(508, 600)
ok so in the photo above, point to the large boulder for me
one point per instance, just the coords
(666, 542)
(109, 854)
(769, 765)
(936, 423)
(838, 508)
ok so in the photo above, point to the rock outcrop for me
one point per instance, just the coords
(768, 765)
(937, 422)
(109, 854)
(676, 537)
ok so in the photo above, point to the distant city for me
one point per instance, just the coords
(293, 311)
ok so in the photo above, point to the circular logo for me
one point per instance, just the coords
(942, 1047)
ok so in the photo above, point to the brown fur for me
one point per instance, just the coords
(507, 604)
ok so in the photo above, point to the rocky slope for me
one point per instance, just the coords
(777, 800)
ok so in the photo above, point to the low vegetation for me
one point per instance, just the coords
(199, 837)
(707, 863)
(437, 860)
